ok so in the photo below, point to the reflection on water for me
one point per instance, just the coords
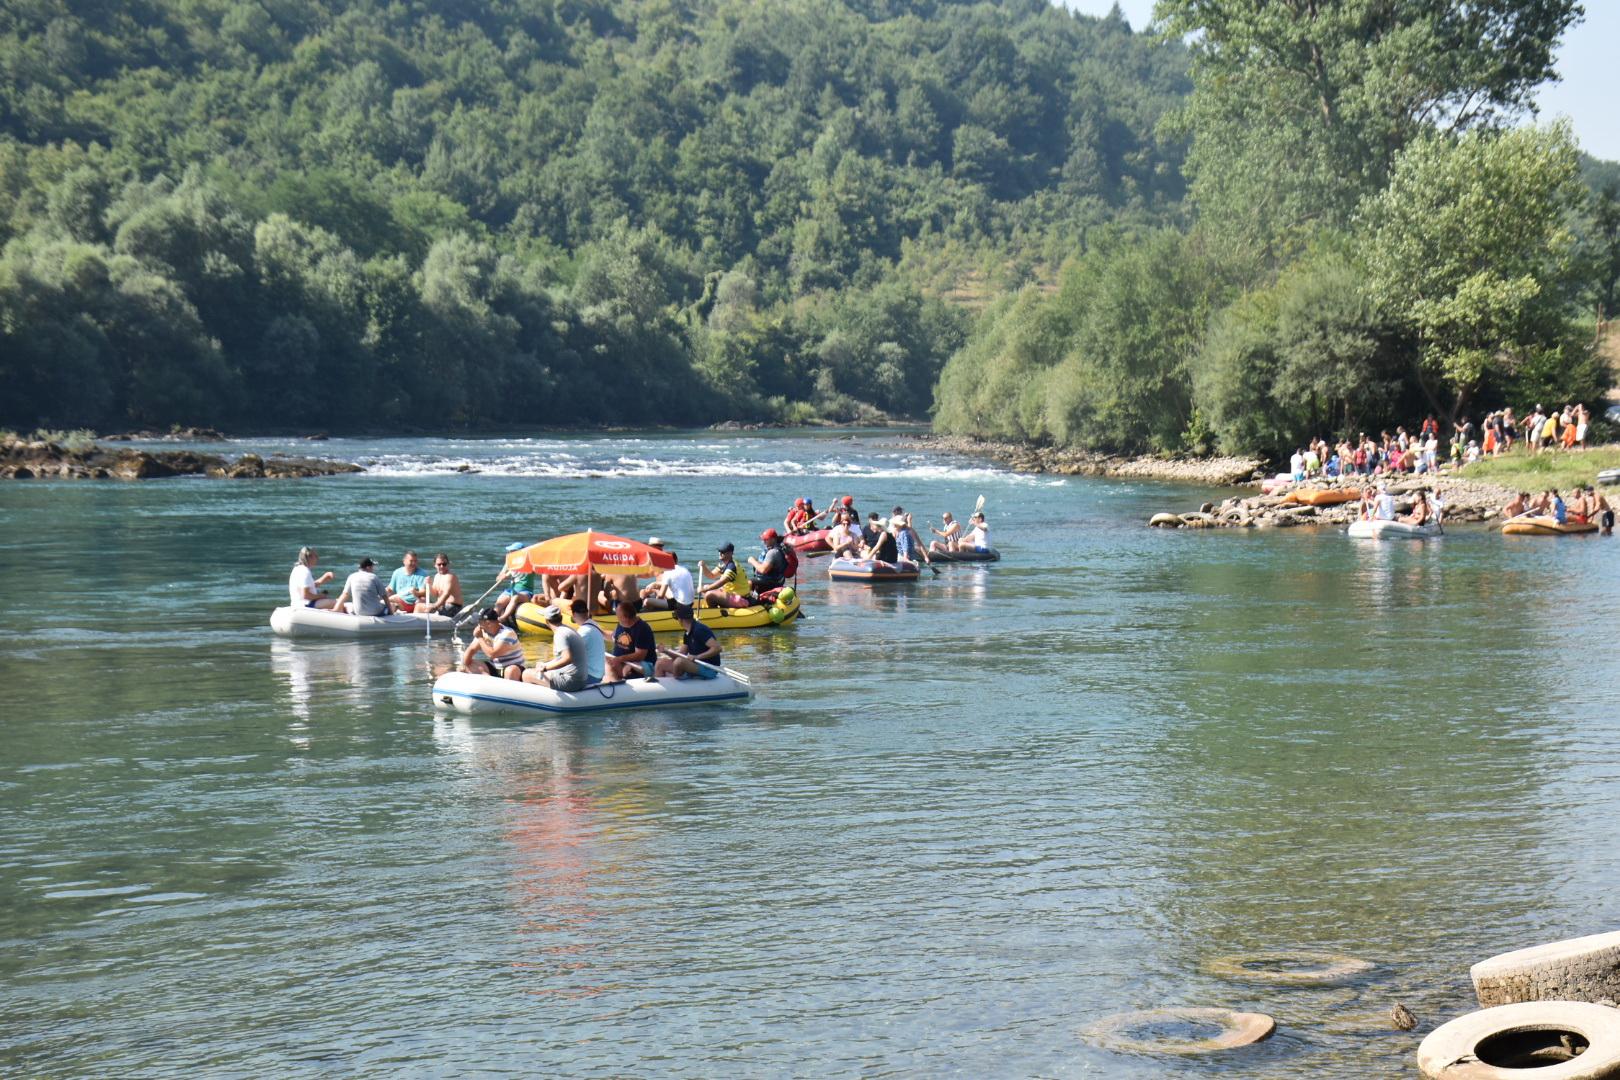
(963, 818)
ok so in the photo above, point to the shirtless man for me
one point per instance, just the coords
(1601, 509)
(1518, 507)
(443, 593)
(1578, 509)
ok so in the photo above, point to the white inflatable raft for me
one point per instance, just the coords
(1394, 530)
(474, 695)
(325, 623)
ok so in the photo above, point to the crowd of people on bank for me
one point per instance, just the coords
(1407, 453)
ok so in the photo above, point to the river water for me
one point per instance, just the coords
(962, 820)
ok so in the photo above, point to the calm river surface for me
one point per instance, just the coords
(962, 820)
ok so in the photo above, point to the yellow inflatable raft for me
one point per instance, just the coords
(1546, 526)
(784, 610)
(1322, 496)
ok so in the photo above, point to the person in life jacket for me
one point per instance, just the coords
(797, 518)
(727, 584)
(771, 568)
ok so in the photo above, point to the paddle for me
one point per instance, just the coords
(667, 651)
(471, 610)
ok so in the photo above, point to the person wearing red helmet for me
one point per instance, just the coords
(801, 517)
(770, 569)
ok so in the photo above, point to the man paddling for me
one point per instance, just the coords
(699, 644)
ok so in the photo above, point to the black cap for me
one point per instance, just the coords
(682, 611)
(367, 563)
(727, 548)
(489, 614)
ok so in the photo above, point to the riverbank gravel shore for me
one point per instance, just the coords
(1216, 471)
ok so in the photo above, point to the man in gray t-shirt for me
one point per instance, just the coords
(566, 669)
(364, 593)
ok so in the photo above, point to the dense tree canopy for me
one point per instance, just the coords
(433, 213)
(1370, 238)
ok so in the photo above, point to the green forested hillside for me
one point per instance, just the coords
(435, 213)
(1376, 232)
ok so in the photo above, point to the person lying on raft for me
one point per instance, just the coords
(949, 536)
(634, 646)
(495, 649)
(698, 644)
(726, 585)
(674, 586)
(407, 583)
(844, 539)
(442, 596)
(303, 587)
(566, 668)
(363, 594)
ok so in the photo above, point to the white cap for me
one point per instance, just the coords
(653, 541)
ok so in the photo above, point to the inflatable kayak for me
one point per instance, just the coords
(1546, 526)
(323, 622)
(474, 695)
(872, 570)
(782, 611)
(1323, 496)
(1394, 530)
(966, 555)
(813, 542)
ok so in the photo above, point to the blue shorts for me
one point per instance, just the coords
(708, 670)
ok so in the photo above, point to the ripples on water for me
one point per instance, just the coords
(963, 819)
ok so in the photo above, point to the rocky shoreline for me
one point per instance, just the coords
(25, 459)
(1465, 500)
(1215, 471)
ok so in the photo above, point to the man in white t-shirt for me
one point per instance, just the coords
(303, 586)
(674, 586)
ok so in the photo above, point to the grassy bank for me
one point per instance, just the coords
(1553, 469)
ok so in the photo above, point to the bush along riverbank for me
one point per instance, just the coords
(1026, 458)
(1290, 505)
(79, 457)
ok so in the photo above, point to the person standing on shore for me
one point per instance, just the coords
(1601, 510)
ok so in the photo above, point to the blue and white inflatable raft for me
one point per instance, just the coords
(475, 695)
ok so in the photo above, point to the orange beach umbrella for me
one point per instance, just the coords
(593, 551)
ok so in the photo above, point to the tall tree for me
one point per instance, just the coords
(1470, 248)
(1299, 107)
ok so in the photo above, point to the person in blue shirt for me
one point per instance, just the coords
(595, 642)
(520, 589)
(634, 647)
(1559, 511)
(698, 644)
(407, 585)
